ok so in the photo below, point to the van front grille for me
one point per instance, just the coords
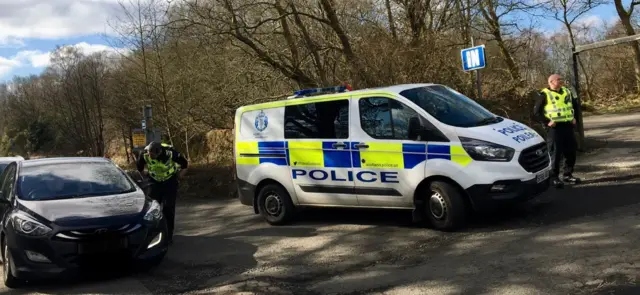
(535, 158)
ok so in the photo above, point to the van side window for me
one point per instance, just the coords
(324, 120)
(384, 118)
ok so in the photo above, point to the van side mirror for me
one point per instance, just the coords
(415, 128)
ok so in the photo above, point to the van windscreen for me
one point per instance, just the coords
(450, 107)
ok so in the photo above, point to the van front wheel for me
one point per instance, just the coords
(444, 206)
(275, 205)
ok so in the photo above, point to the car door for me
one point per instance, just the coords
(317, 135)
(387, 164)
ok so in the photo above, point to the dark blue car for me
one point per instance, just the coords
(62, 216)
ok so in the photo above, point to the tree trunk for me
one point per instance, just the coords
(392, 25)
(489, 13)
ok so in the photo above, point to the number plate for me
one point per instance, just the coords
(542, 176)
(107, 245)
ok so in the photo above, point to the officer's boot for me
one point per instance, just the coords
(556, 182)
(570, 179)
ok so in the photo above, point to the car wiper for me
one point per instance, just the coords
(488, 120)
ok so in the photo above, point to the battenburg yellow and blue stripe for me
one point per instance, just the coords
(332, 154)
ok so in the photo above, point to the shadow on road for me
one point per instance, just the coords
(200, 261)
(106, 281)
(610, 124)
(556, 207)
(193, 260)
(621, 144)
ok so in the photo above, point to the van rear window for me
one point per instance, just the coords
(322, 120)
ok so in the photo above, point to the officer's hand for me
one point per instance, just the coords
(551, 124)
(573, 121)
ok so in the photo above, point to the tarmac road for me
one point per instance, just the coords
(581, 240)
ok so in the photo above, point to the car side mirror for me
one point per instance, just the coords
(415, 128)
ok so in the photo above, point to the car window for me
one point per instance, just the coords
(384, 118)
(322, 120)
(2, 166)
(72, 180)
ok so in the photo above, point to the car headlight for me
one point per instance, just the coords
(154, 213)
(480, 150)
(27, 225)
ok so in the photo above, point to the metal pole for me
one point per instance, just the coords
(576, 86)
(477, 73)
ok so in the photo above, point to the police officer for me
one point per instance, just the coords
(164, 165)
(555, 108)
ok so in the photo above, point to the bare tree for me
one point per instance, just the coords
(625, 19)
(500, 21)
(568, 12)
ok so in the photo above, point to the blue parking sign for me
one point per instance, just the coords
(473, 58)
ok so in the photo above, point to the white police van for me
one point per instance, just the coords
(424, 147)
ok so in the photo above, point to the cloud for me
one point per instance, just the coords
(40, 59)
(590, 21)
(7, 65)
(10, 42)
(54, 19)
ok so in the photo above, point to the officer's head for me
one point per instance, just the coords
(555, 82)
(155, 149)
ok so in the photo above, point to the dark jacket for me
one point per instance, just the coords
(541, 101)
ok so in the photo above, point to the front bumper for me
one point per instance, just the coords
(514, 191)
(246, 192)
(66, 256)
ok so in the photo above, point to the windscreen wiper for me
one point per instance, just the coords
(488, 120)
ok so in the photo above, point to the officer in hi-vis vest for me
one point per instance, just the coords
(555, 109)
(164, 166)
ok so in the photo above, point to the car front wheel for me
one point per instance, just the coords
(9, 280)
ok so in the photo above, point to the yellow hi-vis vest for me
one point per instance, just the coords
(161, 171)
(559, 107)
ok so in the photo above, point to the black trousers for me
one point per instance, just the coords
(166, 193)
(561, 142)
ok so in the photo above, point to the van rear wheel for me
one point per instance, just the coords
(444, 206)
(275, 205)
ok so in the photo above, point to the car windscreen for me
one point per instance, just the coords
(71, 180)
(449, 106)
(2, 166)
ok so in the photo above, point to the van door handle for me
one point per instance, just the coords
(361, 146)
(338, 144)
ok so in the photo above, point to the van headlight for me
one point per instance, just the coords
(480, 150)
(27, 225)
(154, 213)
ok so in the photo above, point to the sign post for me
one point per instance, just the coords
(143, 136)
(139, 141)
(473, 59)
(147, 123)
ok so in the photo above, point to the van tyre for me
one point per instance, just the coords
(9, 280)
(275, 205)
(444, 206)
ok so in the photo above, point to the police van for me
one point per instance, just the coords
(420, 147)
